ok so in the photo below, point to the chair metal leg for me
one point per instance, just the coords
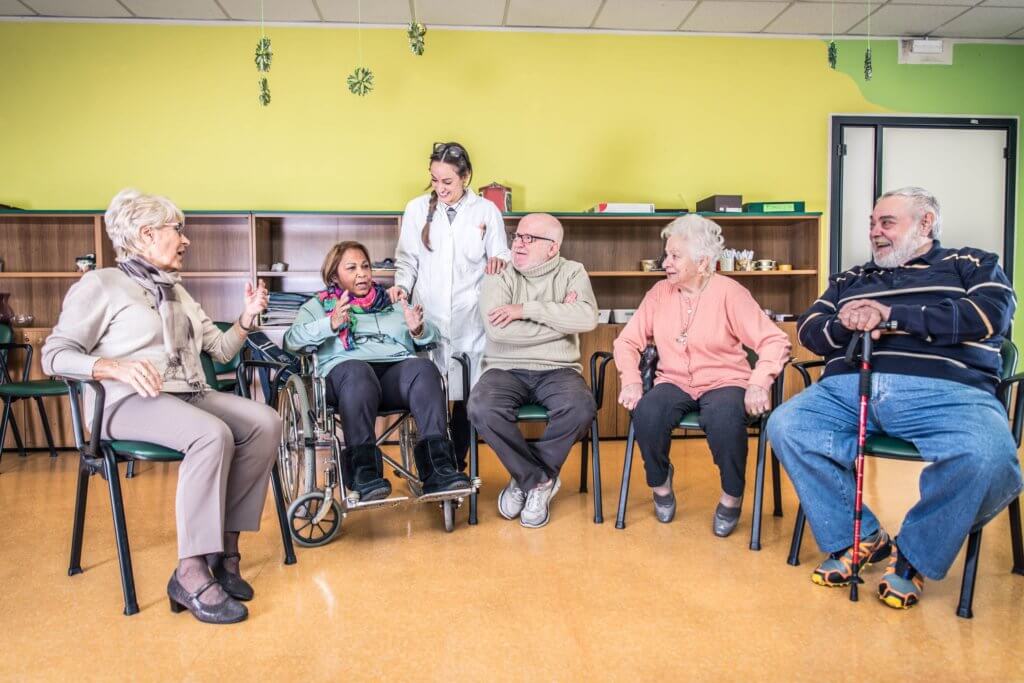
(776, 486)
(282, 515)
(1016, 542)
(627, 464)
(46, 426)
(798, 537)
(583, 465)
(78, 527)
(129, 471)
(595, 446)
(124, 556)
(8, 418)
(16, 433)
(474, 469)
(755, 523)
(963, 610)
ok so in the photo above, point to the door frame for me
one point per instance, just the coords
(879, 123)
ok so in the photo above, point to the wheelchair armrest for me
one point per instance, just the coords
(91, 449)
(243, 375)
(802, 366)
(462, 359)
(429, 346)
(10, 346)
(597, 373)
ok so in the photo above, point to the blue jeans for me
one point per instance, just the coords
(961, 431)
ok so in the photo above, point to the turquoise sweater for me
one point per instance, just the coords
(380, 337)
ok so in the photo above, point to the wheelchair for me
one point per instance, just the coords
(318, 501)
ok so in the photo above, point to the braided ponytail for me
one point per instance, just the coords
(425, 235)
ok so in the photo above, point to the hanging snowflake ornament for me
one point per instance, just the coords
(416, 32)
(263, 54)
(360, 81)
(867, 65)
(264, 92)
(833, 54)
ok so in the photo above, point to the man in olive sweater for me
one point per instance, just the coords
(533, 313)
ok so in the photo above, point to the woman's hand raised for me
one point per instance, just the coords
(413, 318)
(340, 314)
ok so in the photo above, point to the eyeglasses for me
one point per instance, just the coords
(527, 238)
(178, 227)
(448, 150)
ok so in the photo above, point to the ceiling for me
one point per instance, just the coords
(979, 19)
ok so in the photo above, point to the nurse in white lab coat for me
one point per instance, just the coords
(450, 238)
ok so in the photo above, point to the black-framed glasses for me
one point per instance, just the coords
(526, 238)
(179, 227)
(449, 150)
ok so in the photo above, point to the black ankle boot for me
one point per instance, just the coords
(435, 460)
(366, 472)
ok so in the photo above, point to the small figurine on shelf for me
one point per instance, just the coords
(6, 312)
(86, 263)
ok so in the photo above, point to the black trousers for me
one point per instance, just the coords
(723, 418)
(358, 390)
(496, 400)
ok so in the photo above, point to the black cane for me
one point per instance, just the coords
(864, 338)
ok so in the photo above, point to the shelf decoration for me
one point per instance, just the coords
(360, 81)
(833, 50)
(868, 68)
(264, 55)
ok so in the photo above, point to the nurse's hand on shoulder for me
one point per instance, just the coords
(630, 395)
(413, 318)
(397, 294)
(340, 314)
(495, 265)
(503, 315)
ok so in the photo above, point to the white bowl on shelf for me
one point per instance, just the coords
(622, 315)
(604, 315)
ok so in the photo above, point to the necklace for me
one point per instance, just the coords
(691, 310)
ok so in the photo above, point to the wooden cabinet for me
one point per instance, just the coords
(228, 249)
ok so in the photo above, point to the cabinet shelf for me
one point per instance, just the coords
(215, 273)
(41, 274)
(732, 273)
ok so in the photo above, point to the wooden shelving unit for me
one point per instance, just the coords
(231, 248)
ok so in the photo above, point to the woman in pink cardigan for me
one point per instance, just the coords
(700, 323)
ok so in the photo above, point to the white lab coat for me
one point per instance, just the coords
(446, 281)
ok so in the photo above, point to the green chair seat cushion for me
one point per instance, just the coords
(42, 387)
(889, 447)
(143, 450)
(690, 421)
(532, 412)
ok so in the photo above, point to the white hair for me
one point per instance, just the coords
(703, 236)
(129, 212)
(923, 202)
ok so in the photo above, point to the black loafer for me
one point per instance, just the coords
(228, 612)
(665, 506)
(233, 584)
(725, 520)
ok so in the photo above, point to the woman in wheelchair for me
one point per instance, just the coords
(137, 331)
(700, 323)
(365, 348)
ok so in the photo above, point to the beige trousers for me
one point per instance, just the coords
(229, 443)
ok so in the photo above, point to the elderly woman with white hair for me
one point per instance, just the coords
(136, 330)
(700, 323)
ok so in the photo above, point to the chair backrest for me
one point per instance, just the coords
(6, 334)
(1008, 353)
(213, 369)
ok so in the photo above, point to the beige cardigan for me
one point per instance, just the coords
(108, 315)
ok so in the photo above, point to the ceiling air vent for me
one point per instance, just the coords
(926, 51)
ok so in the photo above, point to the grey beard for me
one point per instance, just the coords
(901, 253)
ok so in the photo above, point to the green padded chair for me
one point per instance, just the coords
(533, 412)
(102, 456)
(691, 421)
(883, 446)
(24, 389)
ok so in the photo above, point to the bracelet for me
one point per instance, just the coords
(255, 324)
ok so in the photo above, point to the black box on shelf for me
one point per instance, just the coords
(721, 203)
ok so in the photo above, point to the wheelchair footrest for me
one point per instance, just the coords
(382, 503)
(441, 496)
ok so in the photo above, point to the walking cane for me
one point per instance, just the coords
(865, 340)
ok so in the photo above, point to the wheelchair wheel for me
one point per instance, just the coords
(296, 459)
(302, 514)
(448, 507)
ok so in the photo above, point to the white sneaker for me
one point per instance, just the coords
(536, 512)
(511, 500)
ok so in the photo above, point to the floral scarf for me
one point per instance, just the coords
(375, 301)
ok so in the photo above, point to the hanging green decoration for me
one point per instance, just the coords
(833, 54)
(360, 81)
(264, 92)
(867, 65)
(263, 54)
(416, 32)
